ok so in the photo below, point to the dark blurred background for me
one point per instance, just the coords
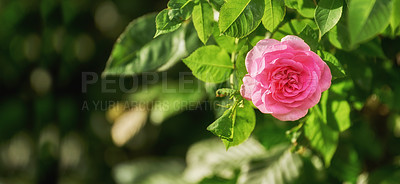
(46, 135)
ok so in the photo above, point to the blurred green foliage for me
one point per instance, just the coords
(48, 135)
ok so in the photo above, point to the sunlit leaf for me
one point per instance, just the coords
(327, 14)
(395, 17)
(273, 14)
(169, 20)
(223, 126)
(322, 138)
(203, 18)
(244, 121)
(238, 18)
(210, 64)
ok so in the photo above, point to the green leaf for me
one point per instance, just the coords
(367, 18)
(169, 20)
(241, 70)
(304, 7)
(217, 4)
(293, 27)
(327, 14)
(395, 18)
(218, 180)
(184, 7)
(173, 98)
(339, 35)
(210, 64)
(322, 138)
(238, 18)
(150, 171)
(203, 18)
(201, 163)
(273, 14)
(335, 111)
(244, 121)
(372, 48)
(336, 67)
(223, 126)
(136, 51)
(270, 131)
(341, 112)
(279, 165)
(310, 36)
(166, 21)
(227, 42)
(346, 165)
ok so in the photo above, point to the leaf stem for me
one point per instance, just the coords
(315, 2)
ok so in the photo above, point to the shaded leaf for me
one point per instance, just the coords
(335, 66)
(304, 7)
(346, 165)
(210, 158)
(150, 171)
(310, 36)
(293, 27)
(136, 51)
(217, 4)
(367, 18)
(278, 166)
(339, 35)
(174, 97)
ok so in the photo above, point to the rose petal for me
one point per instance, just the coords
(257, 100)
(295, 42)
(254, 56)
(291, 116)
(325, 81)
(247, 88)
(274, 106)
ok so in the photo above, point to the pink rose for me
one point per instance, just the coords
(285, 78)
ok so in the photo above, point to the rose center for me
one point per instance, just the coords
(287, 79)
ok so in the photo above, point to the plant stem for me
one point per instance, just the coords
(233, 59)
(315, 2)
